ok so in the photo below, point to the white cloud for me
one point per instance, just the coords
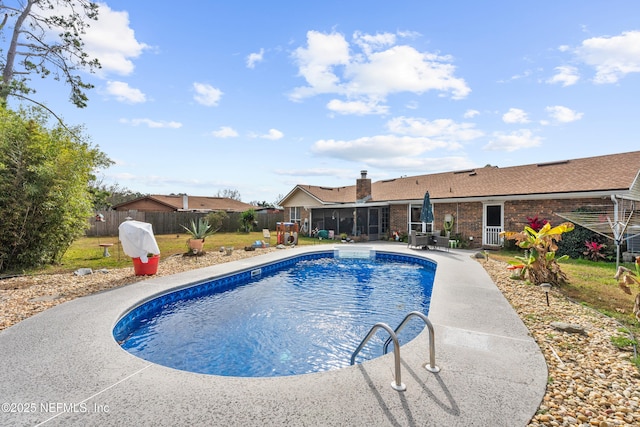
(441, 129)
(109, 39)
(565, 75)
(515, 115)
(152, 123)
(412, 105)
(206, 94)
(369, 43)
(469, 114)
(225, 132)
(513, 141)
(124, 93)
(382, 67)
(525, 74)
(563, 114)
(404, 69)
(409, 145)
(273, 134)
(359, 108)
(113, 42)
(423, 164)
(316, 63)
(612, 57)
(381, 147)
(328, 172)
(254, 58)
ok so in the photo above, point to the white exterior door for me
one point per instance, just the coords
(493, 224)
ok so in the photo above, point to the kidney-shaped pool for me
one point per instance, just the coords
(301, 315)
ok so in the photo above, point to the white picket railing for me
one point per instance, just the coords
(492, 237)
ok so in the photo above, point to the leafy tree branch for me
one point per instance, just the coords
(45, 43)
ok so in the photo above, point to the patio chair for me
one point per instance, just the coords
(440, 241)
(418, 241)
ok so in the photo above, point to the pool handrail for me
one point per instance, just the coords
(397, 384)
(432, 348)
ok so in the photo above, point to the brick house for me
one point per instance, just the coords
(184, 203)
(483, 201)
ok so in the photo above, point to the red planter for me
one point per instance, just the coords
(144, 269)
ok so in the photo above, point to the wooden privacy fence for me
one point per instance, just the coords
(170, 222)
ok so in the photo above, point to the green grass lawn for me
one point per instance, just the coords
(592, 284)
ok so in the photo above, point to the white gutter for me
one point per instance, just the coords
(546, 196)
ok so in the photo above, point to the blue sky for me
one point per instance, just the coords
(260, 96)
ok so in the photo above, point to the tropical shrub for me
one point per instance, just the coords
(539, 260)
(536, 223)
(247, 218)
(593, 251)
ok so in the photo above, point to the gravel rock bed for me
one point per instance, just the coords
(591, 381)
(22, 297)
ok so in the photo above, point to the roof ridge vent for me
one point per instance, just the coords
(560, 162)
(464, 171)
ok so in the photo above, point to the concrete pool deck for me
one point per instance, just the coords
(63, 367)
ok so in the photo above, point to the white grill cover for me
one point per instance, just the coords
(138, 240)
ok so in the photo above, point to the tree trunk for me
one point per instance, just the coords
(7, 73)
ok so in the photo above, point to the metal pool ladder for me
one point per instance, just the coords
(431, 367)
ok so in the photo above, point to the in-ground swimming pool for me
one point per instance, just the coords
(306, 314)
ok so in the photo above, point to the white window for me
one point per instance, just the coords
(414, 219)
(294, 214)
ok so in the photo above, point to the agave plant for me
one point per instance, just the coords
(199, 230)
(540, 262)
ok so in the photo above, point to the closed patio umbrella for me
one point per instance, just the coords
(426, 214)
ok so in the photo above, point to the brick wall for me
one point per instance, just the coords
(516, 212)
(469, 215)
(398, 219)
(468, 220)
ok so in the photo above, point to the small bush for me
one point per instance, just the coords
(572, 244)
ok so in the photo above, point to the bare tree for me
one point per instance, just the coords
(229, 194)
(34, 48)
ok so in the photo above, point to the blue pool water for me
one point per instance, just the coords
(307, 317)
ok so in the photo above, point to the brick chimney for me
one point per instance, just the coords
(363, 186)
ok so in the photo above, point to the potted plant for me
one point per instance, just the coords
(148, 268)
(198, 231)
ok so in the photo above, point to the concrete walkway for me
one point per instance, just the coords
(62, 367)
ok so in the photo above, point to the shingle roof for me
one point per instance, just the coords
(198, 203)
(205, 203)
(615, 172)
